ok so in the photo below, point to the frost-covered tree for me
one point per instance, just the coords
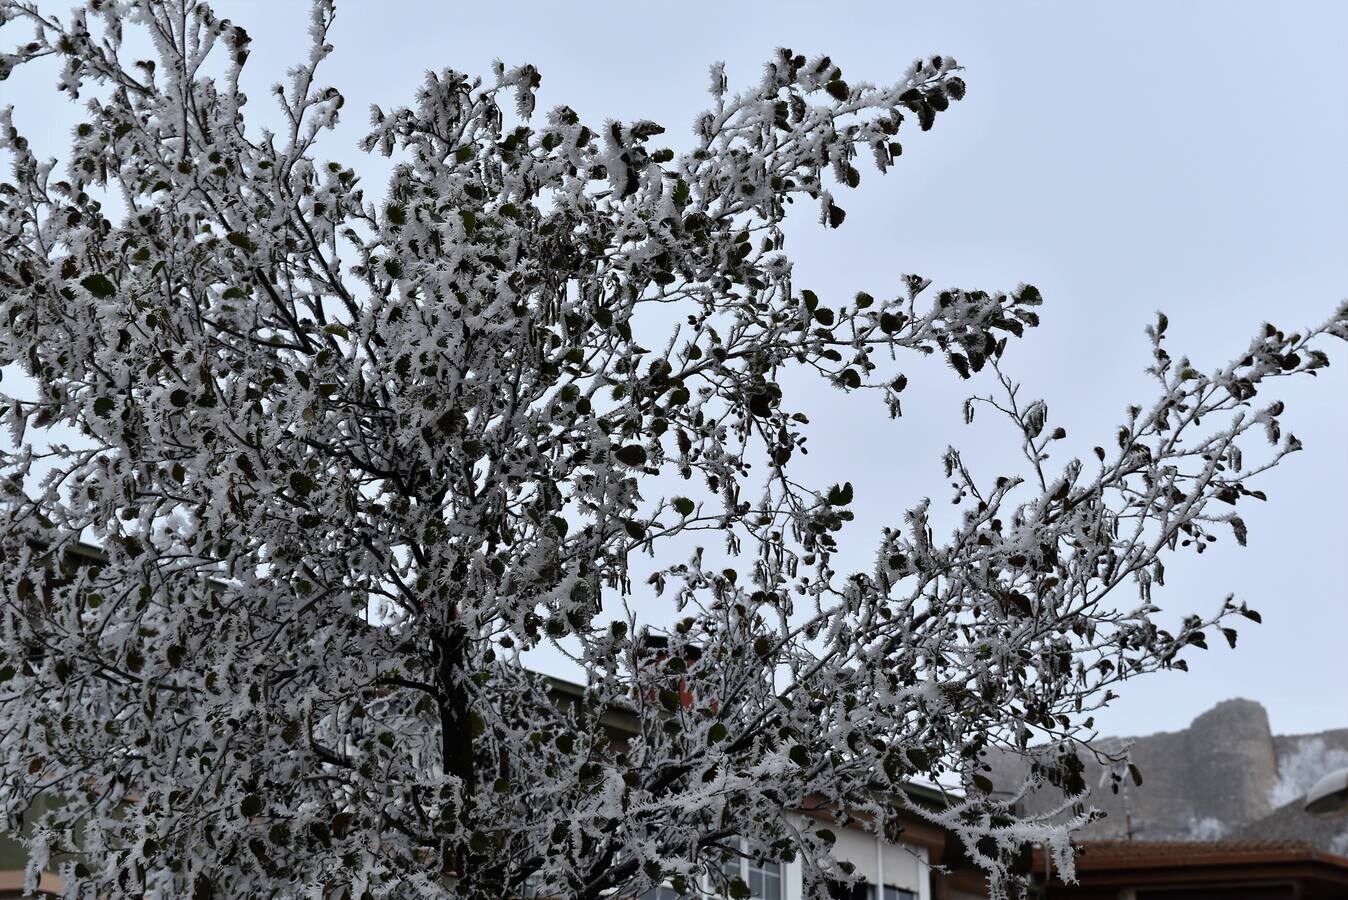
(350, 457)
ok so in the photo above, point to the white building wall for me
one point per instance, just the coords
(901, 864)
(792, 882)
(905, 866)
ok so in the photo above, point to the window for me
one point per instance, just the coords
(663, 893)
(864, 890)
(764, 878)
(530, 889)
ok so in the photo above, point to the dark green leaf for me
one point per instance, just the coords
(301, 483)
(840, 495)
(919, 757)
(99, 286)
(1238, 528)
(241, 240)
(631, 454)
(203, 888)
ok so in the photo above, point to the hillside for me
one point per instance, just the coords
(1226, 774)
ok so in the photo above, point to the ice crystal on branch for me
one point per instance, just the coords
(347, 458)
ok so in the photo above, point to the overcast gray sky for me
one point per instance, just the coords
(1124, 157)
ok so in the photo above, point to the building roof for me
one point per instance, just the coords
(1292, 823)
(1098, 855)
(1206, 868)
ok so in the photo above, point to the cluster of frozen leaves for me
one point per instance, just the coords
(347, 459)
